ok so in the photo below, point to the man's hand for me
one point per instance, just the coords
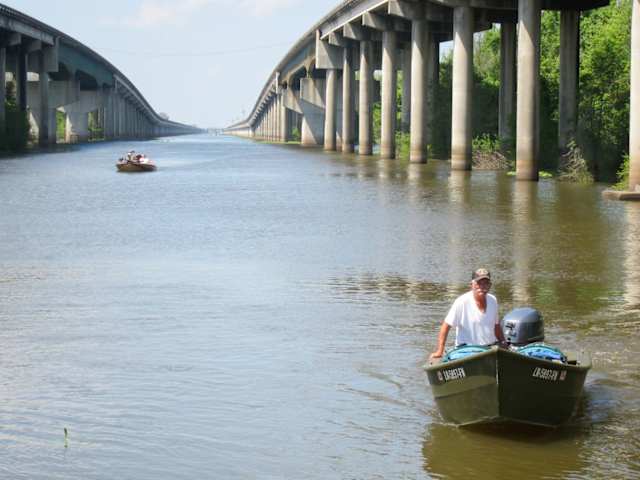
(435, 355)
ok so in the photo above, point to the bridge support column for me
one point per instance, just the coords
(462, 87)
(275, 120)
(330, 109)
(21, 80)
(284, 122)
(507, 97)
(3, 89)
(418, 111)
(406, 89)
(348, 79)
(569, 64)
(433, 83)
(272, 121)
(365, 138)
(44, 125)
(528, 114)
(634, 124)
(77, 129)
(313, 112)
(118, 116)
(388, 105)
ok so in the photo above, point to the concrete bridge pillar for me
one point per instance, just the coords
(433, 82)
(388, 105)
(117, 104)
(634, 123)
(21, 80)
(528, 113)
(406, 90)
(569, 73)
(275, 119)
(462, 88)
(313, 111)
(418, 111)
(348, 111)
(507, 97)
(77, 128)
(331, 86)
(269, 123)
(77, 125)
(3, 88)
(284, 121)
(272, 122)
(275, 108)
(365, 137)
(45, 127)
(123, 118)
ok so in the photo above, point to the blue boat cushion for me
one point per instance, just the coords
(544, 352)
(463, 351)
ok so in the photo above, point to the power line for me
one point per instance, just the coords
(191, 54)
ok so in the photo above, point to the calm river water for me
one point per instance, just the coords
(257, 311)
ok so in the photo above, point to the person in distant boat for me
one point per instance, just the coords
(474, 315)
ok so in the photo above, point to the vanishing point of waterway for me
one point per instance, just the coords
(252, 311)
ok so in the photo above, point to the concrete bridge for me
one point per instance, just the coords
(53, 72)
(390, 35)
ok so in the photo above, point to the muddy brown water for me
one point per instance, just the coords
(257, 311)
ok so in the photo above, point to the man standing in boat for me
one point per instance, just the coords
(474, 315)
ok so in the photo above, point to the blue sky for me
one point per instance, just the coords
(199, 61)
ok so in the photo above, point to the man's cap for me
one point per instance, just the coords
(480, 273)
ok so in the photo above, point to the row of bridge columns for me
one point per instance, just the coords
(520, 71)
(30, 67)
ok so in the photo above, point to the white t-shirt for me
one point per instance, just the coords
(472, 326)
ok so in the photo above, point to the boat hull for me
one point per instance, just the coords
(502, 385)
(135, 167)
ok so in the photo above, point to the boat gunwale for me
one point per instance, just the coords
(583, 359)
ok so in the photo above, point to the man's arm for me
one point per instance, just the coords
(442, 339)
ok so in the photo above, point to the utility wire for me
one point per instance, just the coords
(191, 54)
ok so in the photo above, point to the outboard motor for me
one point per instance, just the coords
(522, 326)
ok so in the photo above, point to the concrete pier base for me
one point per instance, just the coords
(418, 111)
(365, 137)
(406, 90)
(507, 100)
(462, 87)
(348, 111)
(388, 107)
(528, 112)
(569, 68)
(330, 110)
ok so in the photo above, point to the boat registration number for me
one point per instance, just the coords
(548, 374)
(451, 374)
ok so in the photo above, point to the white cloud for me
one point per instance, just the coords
(263, 8)
(154, 13)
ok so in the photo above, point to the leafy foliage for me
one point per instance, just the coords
(16, 132)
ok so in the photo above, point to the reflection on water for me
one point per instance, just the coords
(503, 452)
(525, 196)
(632, 259)
(258, 311)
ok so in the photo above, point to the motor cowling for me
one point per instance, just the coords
(522, 326)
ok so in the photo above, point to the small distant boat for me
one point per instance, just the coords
(534, 383)
(135, 163)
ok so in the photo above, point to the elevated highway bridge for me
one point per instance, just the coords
(314, 86)
(52, 72)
